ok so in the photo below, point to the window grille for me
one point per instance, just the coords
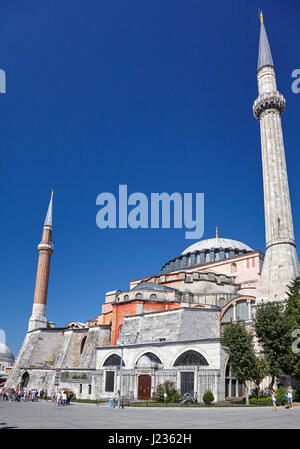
(187, 382)
(110, 381)
(113, 360)
(191, 358)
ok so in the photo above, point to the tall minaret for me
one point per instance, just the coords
(45, 249)
(281, 263)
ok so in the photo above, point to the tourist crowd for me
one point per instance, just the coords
(33, 395)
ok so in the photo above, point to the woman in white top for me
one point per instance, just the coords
(274, 399)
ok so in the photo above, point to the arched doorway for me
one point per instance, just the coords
(82, 344)
(144, 387)
(24, 380)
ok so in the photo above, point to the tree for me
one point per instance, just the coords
(292, 316)
(238, 344)
(271, 329)
(261, 370)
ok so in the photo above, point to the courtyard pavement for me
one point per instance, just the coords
(42, 415)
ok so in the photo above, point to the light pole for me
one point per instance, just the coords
(120, 379)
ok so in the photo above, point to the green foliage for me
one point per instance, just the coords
(261, 401)
(292, 317)
(261, 369)
(73, 396)
(169, 388)
(296, 395)
(272, 332)
(208, 397)
(254, 394)
(238, 344)
(280, 395)
(82, 376)
(189, 398)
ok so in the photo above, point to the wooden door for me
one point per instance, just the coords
(144, 387)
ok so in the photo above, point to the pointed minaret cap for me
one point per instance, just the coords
(264, 53)
(48, 219)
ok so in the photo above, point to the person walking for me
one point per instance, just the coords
(274, 399)
(58, 398)
(289, 395)
(64, 398)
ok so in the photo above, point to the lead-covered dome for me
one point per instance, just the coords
(215, 243)
(206, 251)
(5, 353)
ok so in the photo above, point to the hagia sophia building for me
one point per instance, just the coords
(168, 326)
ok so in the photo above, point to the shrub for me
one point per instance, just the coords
(169, 388)
(280, 394)
(254, 393)
(73, 396)
(208, 397)
(296, 395)
(261, 401)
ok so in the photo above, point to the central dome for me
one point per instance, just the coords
(216, 243)
(206, 251)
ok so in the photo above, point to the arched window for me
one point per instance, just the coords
(82, 344)
(221, 302)
(138, 296)
(126, 297)
(149, 359)
(153, 296)
(242, 312)
(113, 360)
(233, 267)
(189, 358)
(228, 315)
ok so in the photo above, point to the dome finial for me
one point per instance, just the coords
(217, 232)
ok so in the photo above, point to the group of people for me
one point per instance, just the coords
(26, 395)
(61, 398)
(289, 396)
(21, 395)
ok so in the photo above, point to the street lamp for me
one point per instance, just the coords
(120, 379)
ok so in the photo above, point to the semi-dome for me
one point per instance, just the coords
(206, 251)
(216, 243)
(5, 353)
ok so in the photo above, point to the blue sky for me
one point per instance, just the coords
(153, 94)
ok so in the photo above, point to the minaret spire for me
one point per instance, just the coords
(45, 249)
(48, 219)
(264, 52)
(281, 263)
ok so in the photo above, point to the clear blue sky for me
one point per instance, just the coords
(153, 94)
